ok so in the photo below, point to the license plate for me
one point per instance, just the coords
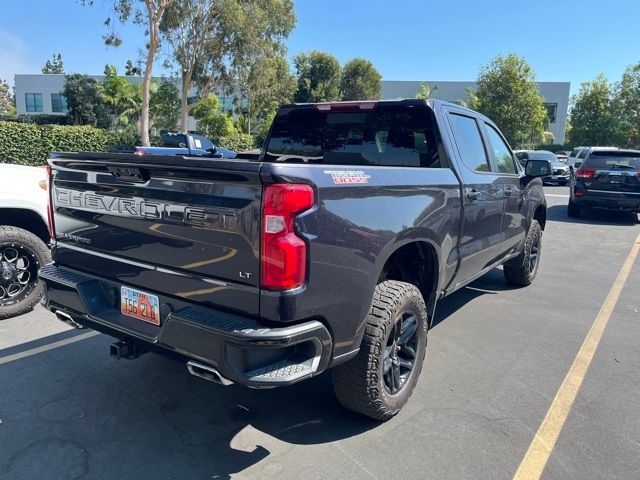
(140, 305)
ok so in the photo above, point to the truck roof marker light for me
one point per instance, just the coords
(350, 106)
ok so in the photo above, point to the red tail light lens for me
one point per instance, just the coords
(139, 152)
(52, 230)
(585, 172)
(283, 253)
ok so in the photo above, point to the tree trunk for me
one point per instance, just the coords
(184, 101)
(146, 85)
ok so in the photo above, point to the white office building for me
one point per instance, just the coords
(555, 95)
(40, 93)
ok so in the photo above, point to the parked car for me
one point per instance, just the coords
(330, 251)
(24, 237)
(563, 158)
(607, 178)
(188, 145)
(578, 154)
(560, 171)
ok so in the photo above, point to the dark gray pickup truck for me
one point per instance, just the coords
(330, 251)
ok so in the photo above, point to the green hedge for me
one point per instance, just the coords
(29, 144)
(38, 119)
(239, 142)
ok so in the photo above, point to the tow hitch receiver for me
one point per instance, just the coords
(126, 350)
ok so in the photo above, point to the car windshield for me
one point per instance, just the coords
(612, 160)
(543, 156)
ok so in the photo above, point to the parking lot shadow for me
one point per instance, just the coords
(75, 413)
(593, 216)
(489, 284)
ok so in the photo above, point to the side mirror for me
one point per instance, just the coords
(538, 168)
(577, 164)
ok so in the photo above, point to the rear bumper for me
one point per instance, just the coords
(611, 201)
(242, 349)
(564, 178)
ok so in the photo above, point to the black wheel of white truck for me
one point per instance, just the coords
(21, 256)
(523, 269)
(380, 379)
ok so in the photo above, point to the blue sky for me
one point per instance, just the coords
(564, 40)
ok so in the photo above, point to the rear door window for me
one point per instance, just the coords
(469, 142)
(389, 135)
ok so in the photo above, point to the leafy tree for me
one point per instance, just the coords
(426, 91)
(55, 65)
(132, 70)
(267, 85)
(627, 104)
(165, 107)
(147, 14)
(508, 94)
(318, 75)
(212, 122)
(214, 42)
(122, 97)
(360, 80)
(84, 101)
(592, 117)
(7, 99)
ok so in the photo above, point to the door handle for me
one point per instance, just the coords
(508, 192)
(472, 194)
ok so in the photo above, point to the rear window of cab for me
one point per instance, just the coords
(389, 135)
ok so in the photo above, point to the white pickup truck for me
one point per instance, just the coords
(24, 237)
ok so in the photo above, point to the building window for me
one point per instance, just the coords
(58, 103)
(34, 102)
(552, 108)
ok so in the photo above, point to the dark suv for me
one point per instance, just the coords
(606, 179)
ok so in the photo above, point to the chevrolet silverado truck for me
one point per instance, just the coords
(186, 144)
(330, 251)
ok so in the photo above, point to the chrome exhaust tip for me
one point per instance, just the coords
(207, 372)
(68, 319)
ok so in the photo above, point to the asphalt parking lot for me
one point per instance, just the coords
(496, 359)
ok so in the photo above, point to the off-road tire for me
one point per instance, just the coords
(359, 383)
(522, 270)
(573, 209)
(18, 236)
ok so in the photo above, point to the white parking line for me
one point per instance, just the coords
(44, 348)
(555, 195)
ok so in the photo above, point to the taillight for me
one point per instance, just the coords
(585, 172)
(52, 230)
(139, 152)
(283, 253)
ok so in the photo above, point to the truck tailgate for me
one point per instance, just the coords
(173, 226)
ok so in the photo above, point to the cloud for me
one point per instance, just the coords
(15, 56)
